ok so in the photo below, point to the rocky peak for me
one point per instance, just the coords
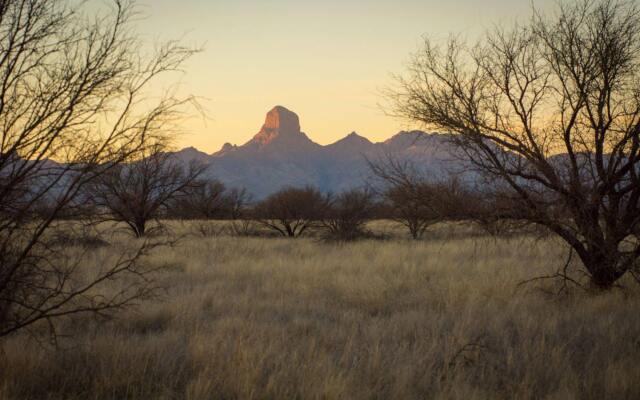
(354, 137)
(227, 147)
(352, 145)
(189, 154)
(282, 119)
(406, 139)
(280, 122)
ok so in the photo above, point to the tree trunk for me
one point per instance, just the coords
(290, 232)
(414, 230)
(140, 228)
(604, 271)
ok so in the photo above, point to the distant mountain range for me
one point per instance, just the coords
(280, 154)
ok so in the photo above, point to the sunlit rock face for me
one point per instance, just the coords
(279, 122)
(281, 131)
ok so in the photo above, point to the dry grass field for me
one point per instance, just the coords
(270, 318)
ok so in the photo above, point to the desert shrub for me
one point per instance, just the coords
(348, 214)
(292, 211)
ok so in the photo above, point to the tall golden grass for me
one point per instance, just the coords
(268, 318)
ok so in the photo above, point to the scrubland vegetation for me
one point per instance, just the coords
(516, 277)
(269, 317)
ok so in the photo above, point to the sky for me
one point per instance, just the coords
(325, 60)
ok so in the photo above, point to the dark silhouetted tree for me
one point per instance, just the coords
(348, 214)
(550, 112)
(73, 107)
(412, 200)
(292, 211)
(238, 200)
(138, 192)
(205, 199)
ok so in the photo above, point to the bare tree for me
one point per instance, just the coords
(242, 222)
(206, 199)
(139, 192)
(415, 202)
(292, 211)
(73, 105)
(238, 200)
(551, 112)
(495, 213)
(348, 214)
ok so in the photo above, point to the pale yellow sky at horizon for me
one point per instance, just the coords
(326, 61)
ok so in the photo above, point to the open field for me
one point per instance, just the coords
(269, 318)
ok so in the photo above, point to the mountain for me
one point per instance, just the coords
(191, 154)
(281, 130)
(280, 154)
(350, 146)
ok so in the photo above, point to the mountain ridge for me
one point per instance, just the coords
(280, 154)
